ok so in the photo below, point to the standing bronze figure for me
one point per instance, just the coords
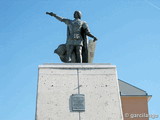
(75, 49)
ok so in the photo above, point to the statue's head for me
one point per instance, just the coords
(77, 14)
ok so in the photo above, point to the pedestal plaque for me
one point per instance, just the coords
(78, 102)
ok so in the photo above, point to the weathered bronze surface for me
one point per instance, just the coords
(76, 48)
(78, 102)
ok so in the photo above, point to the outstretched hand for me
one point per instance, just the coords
(51, 13)
(95, 39)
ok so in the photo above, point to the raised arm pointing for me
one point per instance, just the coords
(54, 15)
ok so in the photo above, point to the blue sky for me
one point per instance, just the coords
(128, 33)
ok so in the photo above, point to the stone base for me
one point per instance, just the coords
(98, 82)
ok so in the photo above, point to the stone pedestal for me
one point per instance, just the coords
(98, 83)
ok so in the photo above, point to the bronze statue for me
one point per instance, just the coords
(75, 49)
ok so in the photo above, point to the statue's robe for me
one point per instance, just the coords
(62, 51)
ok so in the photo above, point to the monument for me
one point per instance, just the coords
(76, 47)
(77, 89)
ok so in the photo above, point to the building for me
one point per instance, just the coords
(134, 102)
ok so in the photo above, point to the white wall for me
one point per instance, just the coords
(99, 84)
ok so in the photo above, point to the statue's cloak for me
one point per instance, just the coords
(62, 51)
